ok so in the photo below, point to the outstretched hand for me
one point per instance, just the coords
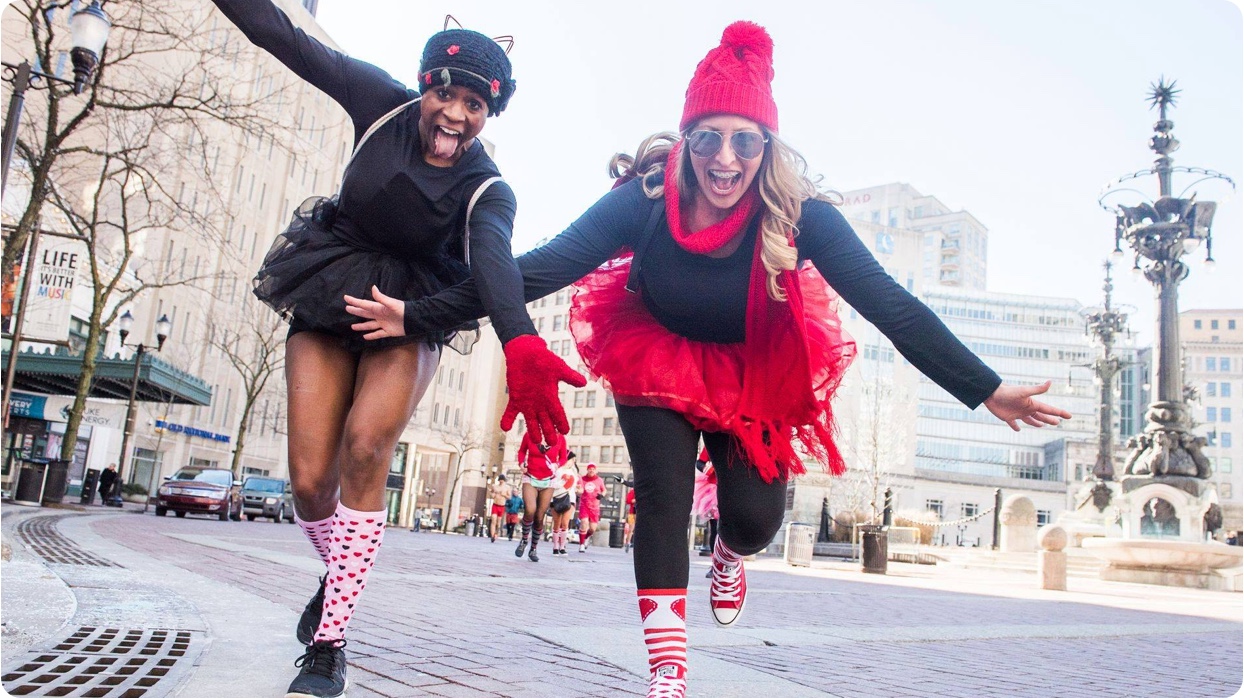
(1013, 404)
(386, 316)
(533, 373)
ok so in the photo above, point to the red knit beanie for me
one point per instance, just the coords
(734, 79)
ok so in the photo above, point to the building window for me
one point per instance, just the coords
(1211, 414)
(619, 453)
(607, 429)
(1226, 439)
(1231, 324)
(1210, 364)
(557, 323)
(587, 426)
(591, 398)
(1224, 389)
(565, 347)
(935, 506)
(1225, 490)
(1224, 364)
(1224, 465)
(1043, 517)
(397, 466)
(1213, 324)
(968, 510)
(1225, 414)
(578, 398)
(1196, 324)
(585, 454)
(605, 452)
(576, 426)
(1211, 389)
(608, 399)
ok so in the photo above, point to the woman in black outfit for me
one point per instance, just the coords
(728, 334)
(399, 227)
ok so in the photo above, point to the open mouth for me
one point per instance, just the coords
(445, 142)
(724, 183)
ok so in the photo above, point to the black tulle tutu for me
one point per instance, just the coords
(316, 261)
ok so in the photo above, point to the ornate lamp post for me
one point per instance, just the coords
(1104, 324)
(88, 29)
(1159, 234)
(163, 328)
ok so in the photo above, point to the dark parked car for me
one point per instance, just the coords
(269, 497)
(194, 490)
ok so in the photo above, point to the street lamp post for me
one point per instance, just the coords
(1159, 234)
(88, 29)
(163, 328)
(1104, 325)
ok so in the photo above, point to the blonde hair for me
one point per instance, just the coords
(784, 185)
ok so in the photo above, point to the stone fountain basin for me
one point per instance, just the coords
(1165, 554)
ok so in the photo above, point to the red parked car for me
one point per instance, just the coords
(194, 490)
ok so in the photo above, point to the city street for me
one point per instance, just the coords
(105, 603)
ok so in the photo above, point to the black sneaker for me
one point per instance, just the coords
(532, 555)
(311, 613)
(323, 671)
(522, 546)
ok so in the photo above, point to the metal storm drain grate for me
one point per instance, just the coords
(104, 663)
(41, 535)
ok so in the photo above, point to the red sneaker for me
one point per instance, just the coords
(728, 592)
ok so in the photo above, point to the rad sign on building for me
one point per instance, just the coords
(51, 290)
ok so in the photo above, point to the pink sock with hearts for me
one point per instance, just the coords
(356, 537)
(319, 533)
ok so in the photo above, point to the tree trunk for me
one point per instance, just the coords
(90, 354)
(236, 466)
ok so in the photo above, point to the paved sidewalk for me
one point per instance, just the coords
(454, 616)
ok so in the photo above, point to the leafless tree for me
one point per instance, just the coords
(475, 438)
(254, 345)
(874, 445)
(167, 65)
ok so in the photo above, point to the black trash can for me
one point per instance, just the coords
(874, 543)
(57, 482)
(617, 534)
(90, 482)
(29, 482)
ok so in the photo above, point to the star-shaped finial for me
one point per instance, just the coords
(1162, 94)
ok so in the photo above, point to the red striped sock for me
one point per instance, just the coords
(663, 614)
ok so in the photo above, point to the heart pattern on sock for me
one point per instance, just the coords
(353, 566)
(320, 535)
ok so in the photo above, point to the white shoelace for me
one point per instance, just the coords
(667, 688)
(727, 581)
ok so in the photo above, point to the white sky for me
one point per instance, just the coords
(1018, 112)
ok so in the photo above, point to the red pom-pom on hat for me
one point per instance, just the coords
(734, 78)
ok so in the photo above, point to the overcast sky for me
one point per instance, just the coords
(1019, 112)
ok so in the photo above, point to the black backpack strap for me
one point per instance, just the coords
(641, 246)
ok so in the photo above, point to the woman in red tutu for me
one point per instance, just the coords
(714, 327)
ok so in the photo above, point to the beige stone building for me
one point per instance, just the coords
(1211, 356)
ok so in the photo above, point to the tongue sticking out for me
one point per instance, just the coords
(444, 145)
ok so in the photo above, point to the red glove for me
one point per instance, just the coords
(532, 373)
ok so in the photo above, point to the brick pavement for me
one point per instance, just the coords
(453, 616)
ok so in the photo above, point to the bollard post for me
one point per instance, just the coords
(887, 514)
(997, 517)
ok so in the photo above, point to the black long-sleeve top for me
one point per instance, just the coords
(391, 200)
(705, 298)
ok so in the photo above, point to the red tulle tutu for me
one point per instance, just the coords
(646, 365)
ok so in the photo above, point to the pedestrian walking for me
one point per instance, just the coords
(538, 460)
(726, 335)
(704, 502)
(565, 498)
(501, 492)
(107, 480)
(513, 513)
(591, 490)
(417, 194)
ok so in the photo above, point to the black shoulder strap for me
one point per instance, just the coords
(641, 246)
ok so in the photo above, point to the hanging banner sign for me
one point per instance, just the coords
(51, 289)
(55, 408)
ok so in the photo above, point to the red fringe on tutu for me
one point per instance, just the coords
(646, 365)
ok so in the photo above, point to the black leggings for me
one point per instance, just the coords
(663, 447)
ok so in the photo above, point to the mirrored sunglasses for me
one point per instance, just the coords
(745, 144)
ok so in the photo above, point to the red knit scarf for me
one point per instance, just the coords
(778, 404)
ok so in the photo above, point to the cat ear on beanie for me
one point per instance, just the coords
(735, 78)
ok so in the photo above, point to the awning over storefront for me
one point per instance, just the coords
(56, 373)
